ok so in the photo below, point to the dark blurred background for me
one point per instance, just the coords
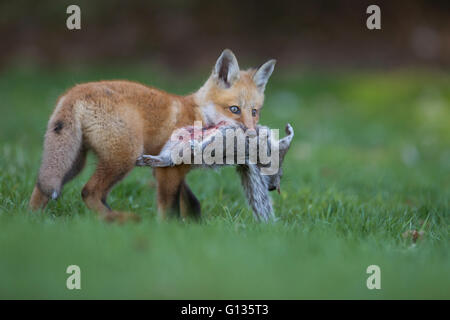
(187, 34)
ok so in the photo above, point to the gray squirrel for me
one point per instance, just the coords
(211, 149)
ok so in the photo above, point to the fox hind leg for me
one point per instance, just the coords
(96, 191)
(38, 199)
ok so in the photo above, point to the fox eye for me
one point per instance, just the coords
(235, 109)
(254, 112)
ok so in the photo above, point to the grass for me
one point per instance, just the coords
(370, 161)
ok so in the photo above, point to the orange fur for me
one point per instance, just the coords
(121, 120)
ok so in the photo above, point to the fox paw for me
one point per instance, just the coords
(121, 217)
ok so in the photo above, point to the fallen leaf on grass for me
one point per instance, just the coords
(414, 235)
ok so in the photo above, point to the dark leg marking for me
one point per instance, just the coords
(106, 204)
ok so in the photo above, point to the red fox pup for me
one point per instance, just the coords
(122, 120)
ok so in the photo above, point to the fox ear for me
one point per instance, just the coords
(263, 74)
(227, 68)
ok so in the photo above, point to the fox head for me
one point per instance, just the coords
(233, 95)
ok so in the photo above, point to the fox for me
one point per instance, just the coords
(120, 120)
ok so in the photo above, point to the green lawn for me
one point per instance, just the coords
(370, 160)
